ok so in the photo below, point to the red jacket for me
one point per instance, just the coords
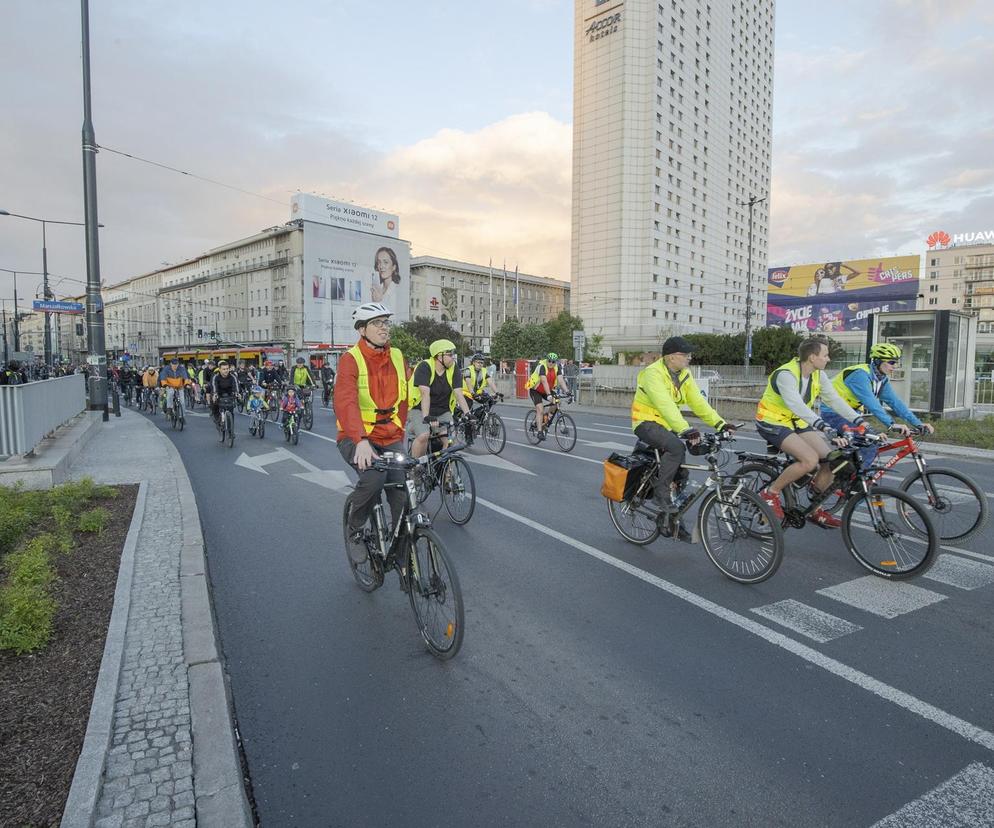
(382, 388)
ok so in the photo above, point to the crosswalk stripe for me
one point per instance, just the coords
(958, 572)
(964, 799)
(887, 599)
(817, 625)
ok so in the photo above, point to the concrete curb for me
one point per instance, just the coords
(54, 455)
(949, 450)
(81, 804)
(218, 786)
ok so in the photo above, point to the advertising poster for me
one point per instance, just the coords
(343, 269)
(830, 297)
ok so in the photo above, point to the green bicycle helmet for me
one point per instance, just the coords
(552, 356)
(440, 346)
(884, 350)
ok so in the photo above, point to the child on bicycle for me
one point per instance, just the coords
(290, 404)
(256, 401)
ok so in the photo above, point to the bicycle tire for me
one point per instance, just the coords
(620, 514)
(229, 422)
(531, 435)
(296, 436)
(896, 565)
(434, 592)
(753, 520)
(368, 574)
(494, 433)
(457, 487)
(564, 430)
(976, 510)
(308, 421)
(182, 422)
(261, 430)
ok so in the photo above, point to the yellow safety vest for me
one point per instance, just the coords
(772, 408)
(845, 391)
(656, 382)
(476, 383)
(414, 392)
(536, 377)
(367, 406)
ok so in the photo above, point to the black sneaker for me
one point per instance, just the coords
(356, 547)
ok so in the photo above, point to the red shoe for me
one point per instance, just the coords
(773, 501)
(821, 518)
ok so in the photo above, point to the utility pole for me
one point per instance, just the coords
(94, 301)
(752, 202)
(17, 327)
(6, 351)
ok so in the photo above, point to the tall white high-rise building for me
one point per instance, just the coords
(672, 112)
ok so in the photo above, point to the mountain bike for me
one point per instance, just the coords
(895, 525)
(956, 504)
(175, 412)
(418, 555)
(226, 419)
(291, 427)
(559, 424)
(485, 422)
(307, 416)
(445, 469)
(738, 530)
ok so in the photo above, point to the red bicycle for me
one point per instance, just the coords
(957, 505)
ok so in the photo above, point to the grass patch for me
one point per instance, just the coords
(26, 608)
(94, 520)
(976, 433)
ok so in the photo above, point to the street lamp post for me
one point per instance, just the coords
(752, 202)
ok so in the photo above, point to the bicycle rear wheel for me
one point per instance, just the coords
(565, 432)
(887, 544)
(308, 421)
(635, 522)
(368, 574)
(494, 433)
(436, 598)
(458, 490)
(956, 505)
(229, 424)
(740, 534)
(531, 433)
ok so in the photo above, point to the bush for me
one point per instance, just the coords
(26, 608)
(94, 520)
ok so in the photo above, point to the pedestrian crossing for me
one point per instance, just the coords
(964, 799)
(876, 596)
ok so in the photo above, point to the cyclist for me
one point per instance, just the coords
(327, 382)
(542, 382)
(127, 381)
(174, 379)
(290, 404)
(660, 391)
(867, 389)
(432, 387)
(475, 379)
(150, 380)
(223, 384)
(371, 407)
(207, 381)
(300, 376)
(255, 403)
(281, 373)
(786, 418)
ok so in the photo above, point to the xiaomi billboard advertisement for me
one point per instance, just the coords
(829, 297)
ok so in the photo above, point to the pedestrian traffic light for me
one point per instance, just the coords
(79, 329)
(200, 333)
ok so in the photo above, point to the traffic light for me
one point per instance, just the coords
(79, 329)
(200, 333)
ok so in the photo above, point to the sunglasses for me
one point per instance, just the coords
(893, 362)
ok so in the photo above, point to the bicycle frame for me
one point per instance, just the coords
(906, 446)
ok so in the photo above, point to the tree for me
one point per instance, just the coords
(559, 332)
(412, 348)
(774, 346)
(428, 330)
(506, 341)
(533, 342)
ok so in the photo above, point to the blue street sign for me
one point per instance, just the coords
(57, 307)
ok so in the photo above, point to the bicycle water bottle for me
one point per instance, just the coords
(682, 497)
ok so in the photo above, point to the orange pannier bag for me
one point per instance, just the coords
(622, 473)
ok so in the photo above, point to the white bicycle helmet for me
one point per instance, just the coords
(367, 311)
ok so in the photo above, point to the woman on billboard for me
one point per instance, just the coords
(386, 272)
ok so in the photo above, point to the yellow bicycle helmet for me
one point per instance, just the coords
(884, 350)
(440, 346)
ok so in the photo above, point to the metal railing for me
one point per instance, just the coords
(30, 412)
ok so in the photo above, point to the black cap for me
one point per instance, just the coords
(677, 345)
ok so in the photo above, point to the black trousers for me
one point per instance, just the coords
(370, 484)
(672, 453)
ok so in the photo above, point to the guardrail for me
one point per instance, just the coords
(30, 412)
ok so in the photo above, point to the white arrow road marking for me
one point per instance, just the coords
(328, 478)
(256, 463)
(608, 444)
(496, 463)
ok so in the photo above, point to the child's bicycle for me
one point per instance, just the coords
(556, 423)
(291, 427)
(257, 423)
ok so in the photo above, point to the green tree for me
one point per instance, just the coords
(774, 346)
(534, 341)
(559, 333)
(428, 330)
(507, 341)
(410, 346)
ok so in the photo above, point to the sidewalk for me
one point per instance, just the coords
(160, 747)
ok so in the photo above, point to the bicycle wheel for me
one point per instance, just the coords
(296, 435)
(182, 421)
(261, 428)
(740, 534)
(565, 432)
(229, 424)
(886, 544)
(436, 598)
(368, 574)
(956, 505)
(635, 522)
(458, 490)
(531, 434)
(494, 433)
(308, 420)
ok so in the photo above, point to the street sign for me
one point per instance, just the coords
(57, 307)
(579, 339)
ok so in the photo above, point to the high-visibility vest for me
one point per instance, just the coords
(476, 383)
(371, 414)
(536, 377)
(847, 393)
(414, 392)
(772, 408)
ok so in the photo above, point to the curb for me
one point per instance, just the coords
(54, 455)
(81, 804)
(218, 784)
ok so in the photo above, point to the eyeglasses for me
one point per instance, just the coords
(448, 353)
(379, 323)
(893, 361)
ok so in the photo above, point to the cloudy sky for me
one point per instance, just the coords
(457, 116)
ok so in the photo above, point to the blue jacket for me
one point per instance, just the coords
(860, 383)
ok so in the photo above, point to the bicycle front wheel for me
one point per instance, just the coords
(635, 522)
(531, 431)
(436, 598)
(458, 490)
(740, 534)
(565, 432)
(494, 433)
(956, 505)
(368, 574)
(886, 542)
(229, 424)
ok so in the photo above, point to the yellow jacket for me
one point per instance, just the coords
(659, 397)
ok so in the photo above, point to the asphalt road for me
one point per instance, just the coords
(599, 683)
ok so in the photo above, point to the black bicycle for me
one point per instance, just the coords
(307, 416)
(226, 419)
(291, 427)
(446, 470)
(556, 422)
(738, 530)
(886, 530)
(483, 421)
(175, 412)
(418, 555)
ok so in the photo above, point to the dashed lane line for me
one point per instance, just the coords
(810, 622)
(888, 599)
(899, 698)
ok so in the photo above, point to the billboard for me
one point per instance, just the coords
(829, 297)
(342, 214)
(343, 269)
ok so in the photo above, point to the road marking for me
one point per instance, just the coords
(954, 571)
(496, 463)
(607, 444)
(333, 479)
(888, 599)
(256, 463)
(808, 621)
(964, 799)
(554, 451)
(901, 699)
